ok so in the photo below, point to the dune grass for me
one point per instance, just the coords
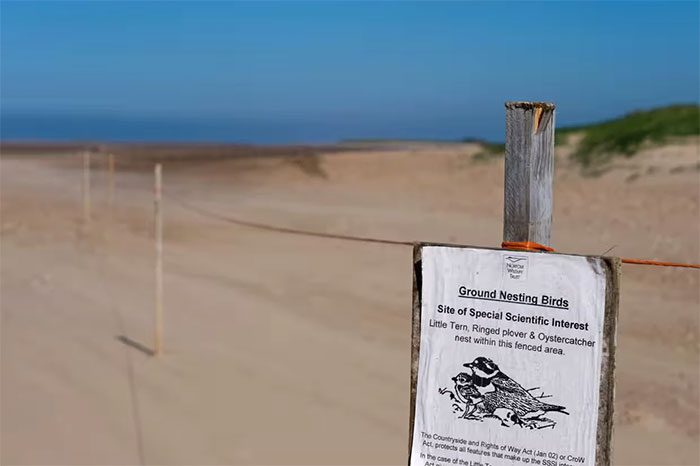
(625, 136)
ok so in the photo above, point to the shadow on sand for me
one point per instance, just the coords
(135, 344)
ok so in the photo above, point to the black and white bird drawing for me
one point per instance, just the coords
(486, 391)
(464, 393)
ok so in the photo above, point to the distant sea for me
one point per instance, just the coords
(67, 128)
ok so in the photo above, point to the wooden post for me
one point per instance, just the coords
(86, 188)
(158, 346)
(439, 274)
(527, 209)
(110, 181)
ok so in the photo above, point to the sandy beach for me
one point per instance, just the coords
(286, 349)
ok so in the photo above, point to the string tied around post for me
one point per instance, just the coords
(526, 246)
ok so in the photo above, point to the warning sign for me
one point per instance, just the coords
(512, 358)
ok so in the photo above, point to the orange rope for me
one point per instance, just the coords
(532, 246)
(282, 229)
(659, 263)
(525, 246)
(513, 245)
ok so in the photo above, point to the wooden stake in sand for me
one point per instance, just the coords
(86, 188)
(110, 181)
(158, 346)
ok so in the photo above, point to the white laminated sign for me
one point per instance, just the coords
(512, 357)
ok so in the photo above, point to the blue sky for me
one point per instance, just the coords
(394, 69)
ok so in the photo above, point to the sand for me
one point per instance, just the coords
(285, 349)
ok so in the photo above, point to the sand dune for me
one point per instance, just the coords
(285, 349)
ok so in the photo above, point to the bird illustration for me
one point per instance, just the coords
(466, 393)
(500, 391)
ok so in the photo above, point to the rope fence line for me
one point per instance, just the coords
(517, 246)
(286, 230)
(531, 246)
(658, 263)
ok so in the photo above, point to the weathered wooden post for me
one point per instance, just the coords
(507, 343)
(527, 208)
(158, 233)
(86, 188)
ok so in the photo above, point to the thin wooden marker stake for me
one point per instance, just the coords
(86, 188)
(110, 181)
(158, 346)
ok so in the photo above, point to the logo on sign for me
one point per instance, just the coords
(515, 267)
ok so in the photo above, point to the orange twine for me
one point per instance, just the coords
(532, 246)
(525, 246)
(513, 245)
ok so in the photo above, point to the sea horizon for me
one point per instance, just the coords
(70, 127)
